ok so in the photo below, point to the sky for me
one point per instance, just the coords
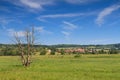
(61, 21)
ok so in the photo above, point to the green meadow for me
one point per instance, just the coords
(58, 67)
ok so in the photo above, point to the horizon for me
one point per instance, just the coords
(62, 44)
(80, 22)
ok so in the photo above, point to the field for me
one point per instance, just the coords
(86, 67)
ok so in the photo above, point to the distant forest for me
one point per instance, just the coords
(111, 46)
(12, 49)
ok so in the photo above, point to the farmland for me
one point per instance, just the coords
(62, 67)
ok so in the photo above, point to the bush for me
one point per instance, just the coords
(62, 52)
(113, 51)
(43, 52)
(8, 51)
(1, 53)
(53, 50)
(77, 56)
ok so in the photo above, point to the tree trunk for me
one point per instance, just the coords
(26, 50)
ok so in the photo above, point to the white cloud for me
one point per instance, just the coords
(36, 5)
(99, 41)
(20, 33)
(62, 15)
(114, 23)
(42, 30)
(107, 11)
(65, 33)
(32, 5)
(81, 1)
(69, 26)
(5, 21)
(4, 9)
(42, 20)
(12, 32)
(39, 29)
(65, 15)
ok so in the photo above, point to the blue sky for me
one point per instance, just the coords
(62, 21)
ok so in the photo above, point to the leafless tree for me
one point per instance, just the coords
(26, 45)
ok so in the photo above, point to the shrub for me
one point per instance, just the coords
(62, 52)
(53, 50)
(43, 52)
(77, 56)
(113, 51)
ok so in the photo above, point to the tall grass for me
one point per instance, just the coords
(87, 67)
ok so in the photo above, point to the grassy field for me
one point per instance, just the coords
(86, 67)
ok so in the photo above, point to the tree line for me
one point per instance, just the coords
(14, 51)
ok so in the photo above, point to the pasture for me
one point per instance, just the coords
(58, 67)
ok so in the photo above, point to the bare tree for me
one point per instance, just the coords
(26, 45)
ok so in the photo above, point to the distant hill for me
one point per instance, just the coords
(87, 46)
(72, 46)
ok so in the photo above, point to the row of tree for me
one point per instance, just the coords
(13, 51)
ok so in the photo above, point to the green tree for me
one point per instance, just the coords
(53, 50)
(113, 51)
(62, 51)
(43, 51)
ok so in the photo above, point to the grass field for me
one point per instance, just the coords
(86, 67)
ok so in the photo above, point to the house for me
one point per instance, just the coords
(71, 50)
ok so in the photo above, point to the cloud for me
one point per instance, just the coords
(42, 30)
(99, 41)
(107, 11)
(21, 33)
(5, 21)
(65, 33)
(32, 5)
(64, 15)
(12, 32)
(4, 9)
(39, 29)
(38, 5)
(42, 20)
(69, 26)
(81, 1)
(113, 23)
